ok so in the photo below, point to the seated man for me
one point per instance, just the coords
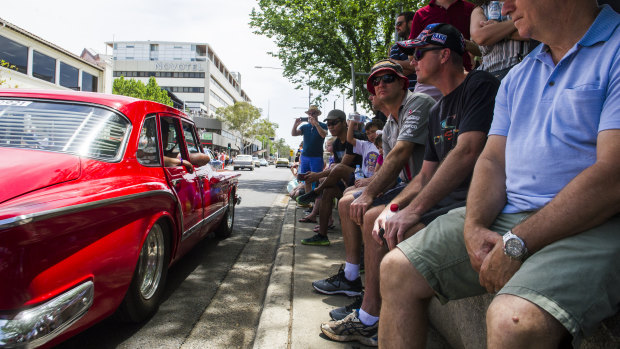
(542, 220)
(457, 130)
(333, 186)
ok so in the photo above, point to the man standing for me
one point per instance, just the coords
(542, 219)
(457, 129)
(314, 133)
(403, 29)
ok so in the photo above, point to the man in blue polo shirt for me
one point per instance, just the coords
(541, 225)
(314, 132)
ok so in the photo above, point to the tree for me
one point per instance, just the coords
(245, 118)
(7, 65)
(282, 148)
(319, 39)
(137, 89)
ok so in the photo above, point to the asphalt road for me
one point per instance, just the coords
(214, 294)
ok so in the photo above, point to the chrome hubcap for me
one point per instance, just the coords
(151, 263)
(231, 213)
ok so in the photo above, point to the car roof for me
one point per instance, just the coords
(124, 104)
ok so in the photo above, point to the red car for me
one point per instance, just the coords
(99, 195)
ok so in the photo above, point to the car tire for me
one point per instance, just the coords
(147, 285)
(251, 168)
(226, 225)
(236, 168)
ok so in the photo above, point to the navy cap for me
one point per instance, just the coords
(440, 34)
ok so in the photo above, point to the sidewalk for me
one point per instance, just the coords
(293, 311)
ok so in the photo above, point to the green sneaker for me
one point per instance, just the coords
(316, 240)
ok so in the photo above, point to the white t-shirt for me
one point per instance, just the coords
(369, 153)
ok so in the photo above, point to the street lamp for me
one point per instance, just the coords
(278, 68)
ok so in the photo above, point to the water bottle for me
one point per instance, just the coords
(393, 210)
(358, 172)
(495, 10)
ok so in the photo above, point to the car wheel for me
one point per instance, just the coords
(251, 168)
(226, 225)
(236, 168)
(147, 285)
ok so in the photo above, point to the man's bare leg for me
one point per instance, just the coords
(373, 253)
(513, 322)
(406, 294)
(327, 205)
(351, 232)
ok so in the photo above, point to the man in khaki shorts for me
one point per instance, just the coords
(542, 227)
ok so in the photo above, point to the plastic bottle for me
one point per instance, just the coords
(358, 172)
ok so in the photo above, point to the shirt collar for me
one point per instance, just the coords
(434, 3)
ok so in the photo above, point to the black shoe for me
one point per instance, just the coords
(307, 198)
(342, 312)
(316, 240)
(338, 284)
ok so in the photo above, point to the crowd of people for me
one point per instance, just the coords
(488, 168)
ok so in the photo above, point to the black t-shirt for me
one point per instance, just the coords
(468, 108)
(340, 149)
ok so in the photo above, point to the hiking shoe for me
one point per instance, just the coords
(351, 329)
(338, 284)
(307, 198)
(342, 312)
(316, 240)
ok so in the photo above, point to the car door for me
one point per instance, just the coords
(212, 196)
(185, 183)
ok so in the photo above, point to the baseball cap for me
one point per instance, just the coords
(336, 114)
(441, 34)
(386, 65)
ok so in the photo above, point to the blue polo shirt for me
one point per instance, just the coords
(313, 142)
(551, 114)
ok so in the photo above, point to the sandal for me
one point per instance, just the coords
(306, 220)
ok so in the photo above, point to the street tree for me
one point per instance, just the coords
(135, 88)
(244, 118)
(4, 80)
(318, 40)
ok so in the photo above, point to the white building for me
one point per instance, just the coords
(42, 65)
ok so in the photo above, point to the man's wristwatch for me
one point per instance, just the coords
(514, 247)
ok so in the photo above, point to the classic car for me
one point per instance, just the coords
(243, 161)
(256, 161)
(264, 162)
(99, 195)
(282, 162)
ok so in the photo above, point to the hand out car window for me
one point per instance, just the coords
(148, 151)
(171, 141)
(196, 154)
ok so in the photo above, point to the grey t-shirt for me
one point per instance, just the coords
(411, 126)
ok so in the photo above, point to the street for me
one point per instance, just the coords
(214, 294)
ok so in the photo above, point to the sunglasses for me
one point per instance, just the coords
(333, 122)
(388, 79)
(399, 23)
(418, 54)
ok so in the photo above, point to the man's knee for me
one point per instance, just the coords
(397, 273)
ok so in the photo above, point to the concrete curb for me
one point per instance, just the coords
(273, 329)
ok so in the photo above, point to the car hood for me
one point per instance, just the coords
(25, 170)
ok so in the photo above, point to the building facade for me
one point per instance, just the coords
(39, 64)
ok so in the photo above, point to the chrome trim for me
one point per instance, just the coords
(207, 220)
(34, 217)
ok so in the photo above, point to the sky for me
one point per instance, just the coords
(75, 25)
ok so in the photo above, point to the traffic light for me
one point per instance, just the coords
(228, 146)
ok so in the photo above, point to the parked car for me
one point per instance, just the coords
(101, 194)
(243, 161)
(264, 162)
(282, 162)
(256, 161)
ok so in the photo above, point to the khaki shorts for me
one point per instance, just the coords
(576, 279)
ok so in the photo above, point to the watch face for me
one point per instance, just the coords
(514, 247)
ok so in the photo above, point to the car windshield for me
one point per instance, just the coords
(244, 157)
(82, 130)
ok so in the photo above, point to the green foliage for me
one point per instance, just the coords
(135, 88)
(7, 65)
(245, 118)
(319, 39)
(282, 148)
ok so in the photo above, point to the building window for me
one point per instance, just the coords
(68, 76)
(14, 53)
(43, 67)
(89, 82)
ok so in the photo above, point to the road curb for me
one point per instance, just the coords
(273, 329)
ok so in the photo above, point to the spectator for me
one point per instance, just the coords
(314, 133)
(455, 12)
(403, 29)
(404, 136)
(457, 130)
(311, 216)
(542, 220)
(332, 187)
(500, 44)
(366, 149)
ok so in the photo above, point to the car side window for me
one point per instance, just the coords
(193, 145)
(171, 141)
(148, 151)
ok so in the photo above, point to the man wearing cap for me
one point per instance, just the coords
(541, 225)
(337, 178)
(457, 128)
(314, 133)
(403, 28)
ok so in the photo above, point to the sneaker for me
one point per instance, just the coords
(316, 240)
(351, 329)
(307, 198)
(338, 284)
(342, 312)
